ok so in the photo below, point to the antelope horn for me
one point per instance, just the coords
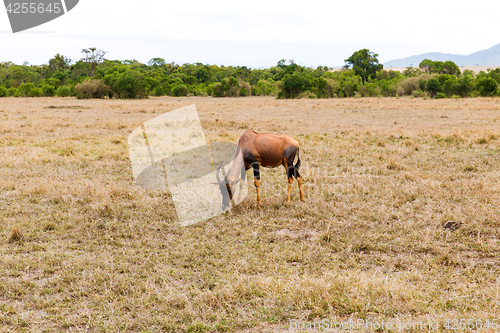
(217, 173)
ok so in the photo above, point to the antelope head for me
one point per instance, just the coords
(224, 187)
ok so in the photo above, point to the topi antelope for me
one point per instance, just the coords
(267, 149)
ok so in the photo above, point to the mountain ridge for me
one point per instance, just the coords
(488, 57)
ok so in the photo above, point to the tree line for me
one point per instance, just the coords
(93, 76)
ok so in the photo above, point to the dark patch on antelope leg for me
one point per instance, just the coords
(289, 157)
(248, 158)
(256, 174)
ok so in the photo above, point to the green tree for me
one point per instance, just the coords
(432, 85)
(59, 62)
(294, 84)
(131, 84)
(25, 89)
(448, 83)
(48, 90)
(465, 85)
(180, 90)
(12, 92)
(449, 67)
(63, 91)
(93, 57)
(432, 66)
(487, 86)
(156, 62)
(365, 64)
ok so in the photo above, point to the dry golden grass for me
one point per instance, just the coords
(84, 249)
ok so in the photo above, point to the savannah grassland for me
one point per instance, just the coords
(84, 249)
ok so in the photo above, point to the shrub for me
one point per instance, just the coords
(12, 92)
(296, 83)
(307, 94)
(331, 88)
(408, 85)
(63, 91)
(48, 90)
(487, 86)
(3, 91)
(229, 87)
(53, 82)
(35, 92)
(369, 90)
(245, 88)
(180, 90)
(159, 91)
(264, 88)
(400, 91)
(387, 89)
(440, 95)
(217, 90)
(25, 89)
(131, 84)
(91, 89)
(417, 93)
(432, 85)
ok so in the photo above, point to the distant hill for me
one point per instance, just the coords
(489, 57)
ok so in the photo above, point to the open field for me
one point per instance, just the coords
(83, 248)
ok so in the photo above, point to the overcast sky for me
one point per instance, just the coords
(257, 33)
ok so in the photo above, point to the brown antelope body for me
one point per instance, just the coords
(262, 149)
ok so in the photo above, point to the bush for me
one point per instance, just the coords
(432, 85)
(296, 83)
(487, 86)
(12, 92)
(408, 86)
(25, 89)
(3, 91)
(35, 92)
(131, 84)
(180, 90)
(307, 94)
(159, 91)
(245, 88)
(369, 90)
(229, 87)
(48, 90)
(387, 89)
(400, 91)
(91, 89)
(63, 91)
(440, 95)
(417, 93)
(264, 88)
(217, 90)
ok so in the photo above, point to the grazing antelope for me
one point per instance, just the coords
(261, 149)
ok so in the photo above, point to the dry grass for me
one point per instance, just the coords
(93, 252)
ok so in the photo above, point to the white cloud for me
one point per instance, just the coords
(258, 33)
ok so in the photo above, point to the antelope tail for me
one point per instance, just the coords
(297, 165)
